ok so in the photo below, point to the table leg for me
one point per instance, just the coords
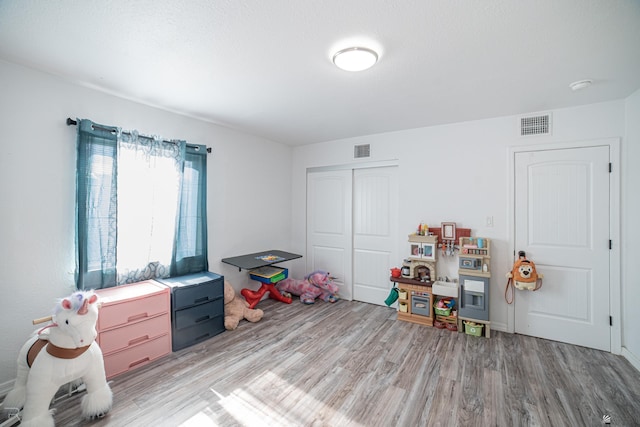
(275, 294)
(254, 297)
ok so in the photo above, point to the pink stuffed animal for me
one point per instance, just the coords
(314, 285)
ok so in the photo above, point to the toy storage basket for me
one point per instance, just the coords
(273, 279)
(442, 311)
(473, 329)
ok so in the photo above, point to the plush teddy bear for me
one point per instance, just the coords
(236, 309)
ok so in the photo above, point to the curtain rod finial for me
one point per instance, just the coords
(70, 122)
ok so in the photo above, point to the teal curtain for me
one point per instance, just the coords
(140, 207)
(96, 206)
(190, 245)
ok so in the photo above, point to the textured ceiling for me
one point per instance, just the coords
(264, 67)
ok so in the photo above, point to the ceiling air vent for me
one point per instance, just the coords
(535, 125)
(360, 151)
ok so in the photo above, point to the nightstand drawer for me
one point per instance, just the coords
(137, 356)
(136, 333)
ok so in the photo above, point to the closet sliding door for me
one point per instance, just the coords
(352, 229)
(329, 227)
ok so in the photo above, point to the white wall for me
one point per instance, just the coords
(459, 173)
(248, 182)
(448, 173)
(631, 231)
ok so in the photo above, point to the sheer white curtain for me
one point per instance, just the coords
(149, 177)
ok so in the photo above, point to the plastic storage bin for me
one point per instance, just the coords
(442, 311)
(273, 279)
(473, 329)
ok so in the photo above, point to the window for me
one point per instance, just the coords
(140, 207)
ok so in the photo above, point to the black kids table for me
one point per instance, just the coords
(257, 260)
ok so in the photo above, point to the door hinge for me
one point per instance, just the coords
(610, 167)
(610, 244)
(610, 321)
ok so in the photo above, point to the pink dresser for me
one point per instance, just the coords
(134, 325)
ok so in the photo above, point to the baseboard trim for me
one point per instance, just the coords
(499, 326)
(632, 358)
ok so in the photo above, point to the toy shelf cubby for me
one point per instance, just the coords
(449, 320)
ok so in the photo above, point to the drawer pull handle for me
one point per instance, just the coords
(132, 364)
(201, 300)
(139, 340)
(202, 319)
(137, 316)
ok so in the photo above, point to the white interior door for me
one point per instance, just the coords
(329, 226)
(562, 223)
(375, 236)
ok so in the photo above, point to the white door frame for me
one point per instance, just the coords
(614, 226)
(345, 166)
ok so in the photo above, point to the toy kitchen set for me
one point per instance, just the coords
(423, 298)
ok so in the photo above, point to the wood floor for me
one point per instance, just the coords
(354, 364)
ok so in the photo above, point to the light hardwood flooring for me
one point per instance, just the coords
(354, 364)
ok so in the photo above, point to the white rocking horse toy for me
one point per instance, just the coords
(69, 353)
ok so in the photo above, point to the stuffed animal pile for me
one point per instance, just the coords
(236, 309)
(63, 352)
(316, 284)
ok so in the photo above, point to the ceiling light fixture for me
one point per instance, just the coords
(355, 58)
(580, 84)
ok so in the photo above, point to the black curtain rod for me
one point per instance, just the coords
(71, 122)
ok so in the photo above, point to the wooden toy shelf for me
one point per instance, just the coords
(450, 321)
(447, 319)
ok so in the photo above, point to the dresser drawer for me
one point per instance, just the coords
(132, 310)
(191, 295)
(199, 332)
(198, 314)
(136, 333)
(136, 356)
